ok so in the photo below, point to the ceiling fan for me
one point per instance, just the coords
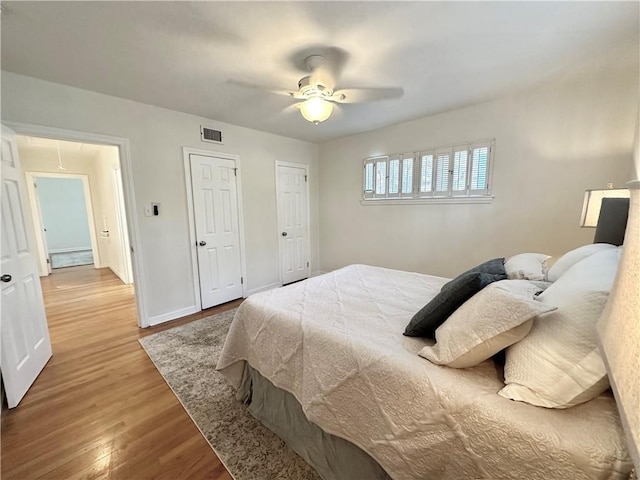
(317, 91)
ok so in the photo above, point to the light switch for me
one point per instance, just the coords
(152, 209)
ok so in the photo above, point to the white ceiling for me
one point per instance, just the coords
(38, 145)
(182, 55)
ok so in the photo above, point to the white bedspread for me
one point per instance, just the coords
(335, 342)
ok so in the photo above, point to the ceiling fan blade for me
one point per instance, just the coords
(360, 95)
(268, 88)
(328, 66)
(324, 75)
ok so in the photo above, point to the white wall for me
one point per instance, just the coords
(106, 161)
(64, 213)
(636, 149)
(551, 144)
(74, 163)
(156, 137)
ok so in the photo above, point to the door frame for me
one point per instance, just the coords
(127, 189)
(186, 153)
(36, 213)
(280, 163)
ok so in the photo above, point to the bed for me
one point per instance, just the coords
(324, 364)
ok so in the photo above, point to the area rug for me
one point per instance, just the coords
(186, 357)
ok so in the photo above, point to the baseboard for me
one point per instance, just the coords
(264, 288)
(69, 250)
(165, 317)
(117, 274)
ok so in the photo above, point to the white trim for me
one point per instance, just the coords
(44, 267)
(186, 153)
(306, 167)
(128, 192)
(429, 201)
(264, 288)
(243, 261)
(31, 176)
(166, 317)
(70, 250)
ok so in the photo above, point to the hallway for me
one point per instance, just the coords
(100, 409)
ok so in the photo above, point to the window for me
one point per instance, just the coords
(460, 171)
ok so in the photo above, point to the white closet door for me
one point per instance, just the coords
(215, 202)
(293, 223)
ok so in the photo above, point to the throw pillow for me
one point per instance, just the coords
(569, 259)
(499, 315)
(558, 364)
(452, 295)
(527, 266)
(494, 266)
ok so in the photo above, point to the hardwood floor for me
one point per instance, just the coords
(100, 409)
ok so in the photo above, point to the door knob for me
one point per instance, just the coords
(6, 278)
(202, 243)
(284, 234)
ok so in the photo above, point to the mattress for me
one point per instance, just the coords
(335, 343)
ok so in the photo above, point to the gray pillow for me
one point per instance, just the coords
(494, 266)
(451, 297)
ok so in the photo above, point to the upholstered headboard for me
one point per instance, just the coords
(619, 330)
(612, 221)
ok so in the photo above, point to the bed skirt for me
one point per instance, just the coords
(334, 458)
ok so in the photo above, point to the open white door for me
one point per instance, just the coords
(215, 205)
(25, 343)
(126, 274)
(293, 222)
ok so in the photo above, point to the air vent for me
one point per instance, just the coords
(210, 135)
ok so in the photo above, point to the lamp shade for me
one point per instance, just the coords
(593, 201)
(619, 329)
(316, 109)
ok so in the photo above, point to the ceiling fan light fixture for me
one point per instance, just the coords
(316, 110)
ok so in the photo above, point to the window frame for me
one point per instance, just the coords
(445, 195)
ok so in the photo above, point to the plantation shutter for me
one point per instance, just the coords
(368, 187)
(406, 189)
(479, 170)
(426, 174)
(380, 188)
(459, 171)
(394, 176)
(441, 173)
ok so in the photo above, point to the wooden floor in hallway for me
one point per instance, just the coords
(100, 409)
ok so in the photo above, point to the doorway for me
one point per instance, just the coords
(76, 197)
(75, 188)
(292, 190)
(63, 219)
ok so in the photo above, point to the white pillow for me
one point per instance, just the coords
(527, 266)
(569, 259)
(494, 318)
(558, 364)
